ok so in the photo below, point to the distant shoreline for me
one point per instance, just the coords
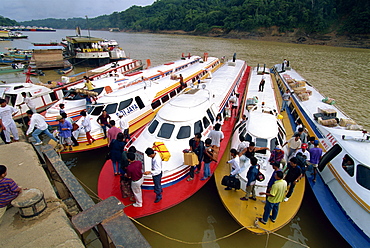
(271, 34)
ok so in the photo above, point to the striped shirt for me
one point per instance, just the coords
(8, 191)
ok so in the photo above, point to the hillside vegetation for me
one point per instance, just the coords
(304, 18)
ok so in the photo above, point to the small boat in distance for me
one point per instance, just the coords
(92, 51)
(264, 127)
(342, 186)
(192, 111)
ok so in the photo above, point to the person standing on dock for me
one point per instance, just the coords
(207, 159)
(39, 124)
(274, 197)
(156, 171)
(135, 173)
(6, 115)
(75, 131)
(9, 190)
(28, 102)
(286, 98)
(113, 131)
(86, 124)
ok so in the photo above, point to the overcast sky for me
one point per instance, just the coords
(26, 10)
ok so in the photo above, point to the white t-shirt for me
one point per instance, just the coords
(37, 121)
(235, 168)
(123, 123)
(156, 165)
(6, 114)
(29, 103)
(216, 137)
(86, 124)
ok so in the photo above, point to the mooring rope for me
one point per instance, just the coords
(96, 196)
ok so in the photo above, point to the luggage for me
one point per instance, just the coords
(162, 150)
(191, 159)
(231, 182)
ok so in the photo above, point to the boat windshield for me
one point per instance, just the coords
(363, 176)
(111, 108)
(273, 144)
(261, 142)
(11, 99)
(153, 126)
(96, 110)
(166, 130)
(206, 122)
(198, 128)
(184, 132)
(124, 104)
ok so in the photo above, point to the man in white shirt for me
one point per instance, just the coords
(234, 162)
(123, 125)
(216, 135)
(39, 124)
(28, 102)
(156, 171)
(6, 115)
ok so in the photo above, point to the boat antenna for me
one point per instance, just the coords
(88, 28)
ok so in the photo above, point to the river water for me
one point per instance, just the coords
(339, 73)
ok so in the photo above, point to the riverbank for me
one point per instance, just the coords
(294, 36)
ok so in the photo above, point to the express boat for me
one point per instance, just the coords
(138, 102)
(190, 112)
(343, 185)
(263, 126)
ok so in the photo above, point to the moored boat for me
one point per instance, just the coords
(342, 186)
(262, 126)
(92, 51)
(143, 97)
(192, 111)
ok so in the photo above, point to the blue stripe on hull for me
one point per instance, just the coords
(332, 209)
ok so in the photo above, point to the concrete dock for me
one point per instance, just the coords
(52, 228)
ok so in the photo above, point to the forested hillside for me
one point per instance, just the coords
(7, 22)
(242, 15)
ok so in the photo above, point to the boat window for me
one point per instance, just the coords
(348, 165)
(273, 144)
(124, 104)
(11, 99)
(178, 90)
(210, 115)
(173, 93)
(139, 102)
(111, 108)
(363, 176)
(261, 142)
(328, 156)
(96, 110)
(98, 90)
(153, 126)
(53, 96)
(248, 138)
(166, 130)
(198, 128)
(206, 122)
(156, 104)
(165, 98)
(184, 132)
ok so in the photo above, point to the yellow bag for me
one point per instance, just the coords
(162, 150)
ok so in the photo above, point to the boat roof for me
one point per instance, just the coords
(18, 88)
(359, 151)
(83, 39)
(46, 47)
